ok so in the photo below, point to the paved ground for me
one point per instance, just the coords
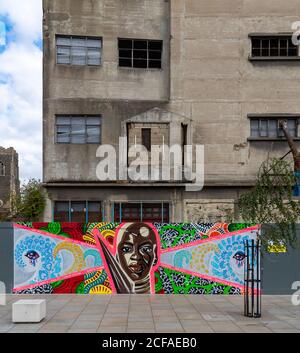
(143, 313)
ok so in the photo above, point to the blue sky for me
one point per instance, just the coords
(21, 82)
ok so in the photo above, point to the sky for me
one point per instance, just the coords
(21, 83)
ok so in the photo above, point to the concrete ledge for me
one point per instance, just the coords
(29, 311)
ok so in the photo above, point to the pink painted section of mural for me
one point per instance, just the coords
(106, 258)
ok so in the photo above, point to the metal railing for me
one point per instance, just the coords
(252, 278)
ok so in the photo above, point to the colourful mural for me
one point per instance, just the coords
(106, 258)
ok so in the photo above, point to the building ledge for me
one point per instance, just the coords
(274, 58)
(210, 182)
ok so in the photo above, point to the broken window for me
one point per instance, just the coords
(273, 46)
(140, 53)
(269, 128)
(78, 129)
(74, 50)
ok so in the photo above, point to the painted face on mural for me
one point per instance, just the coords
(137, 250)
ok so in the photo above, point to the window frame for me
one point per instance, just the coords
(85, 116)
(86, 50)
(277, 117)
(270, 36)
(133, 40)
(165, 218)
(86, 209)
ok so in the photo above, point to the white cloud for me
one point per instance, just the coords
(26, 16)
(2, 34)
(21, 92)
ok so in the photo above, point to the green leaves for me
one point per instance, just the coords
(29, 205)
(271, 203)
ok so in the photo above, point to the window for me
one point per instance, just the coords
(146, 139)
(61, 212)
(268, 128)
(77, 211)
(141, 212)
(273, 47)
(73, 50)
(140, 53)
(78, 129)
(2, 169)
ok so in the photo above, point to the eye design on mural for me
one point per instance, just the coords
(239, 256)
(33, 256)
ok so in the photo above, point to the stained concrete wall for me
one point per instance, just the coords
(214, 83)
(109, 19)
(206, 77)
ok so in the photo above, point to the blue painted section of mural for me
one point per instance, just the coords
(39, 258)
(105, 258)
(221, 258)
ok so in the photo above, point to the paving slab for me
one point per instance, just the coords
(160, 313)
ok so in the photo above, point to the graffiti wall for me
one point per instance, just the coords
(106, 258)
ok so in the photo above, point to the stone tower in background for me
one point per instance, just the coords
(9, 177)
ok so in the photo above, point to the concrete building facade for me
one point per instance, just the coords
(9, 177)
(218, 73)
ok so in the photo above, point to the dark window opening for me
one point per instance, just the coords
(273, 46)
(183, 141)
(140, 53)
(146, 139)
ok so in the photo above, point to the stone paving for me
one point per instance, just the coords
(151, 314)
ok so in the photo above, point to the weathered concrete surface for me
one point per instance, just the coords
(206, 78)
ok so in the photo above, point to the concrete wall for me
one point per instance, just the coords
(206, 79)
(214, 83)
(109, 19)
